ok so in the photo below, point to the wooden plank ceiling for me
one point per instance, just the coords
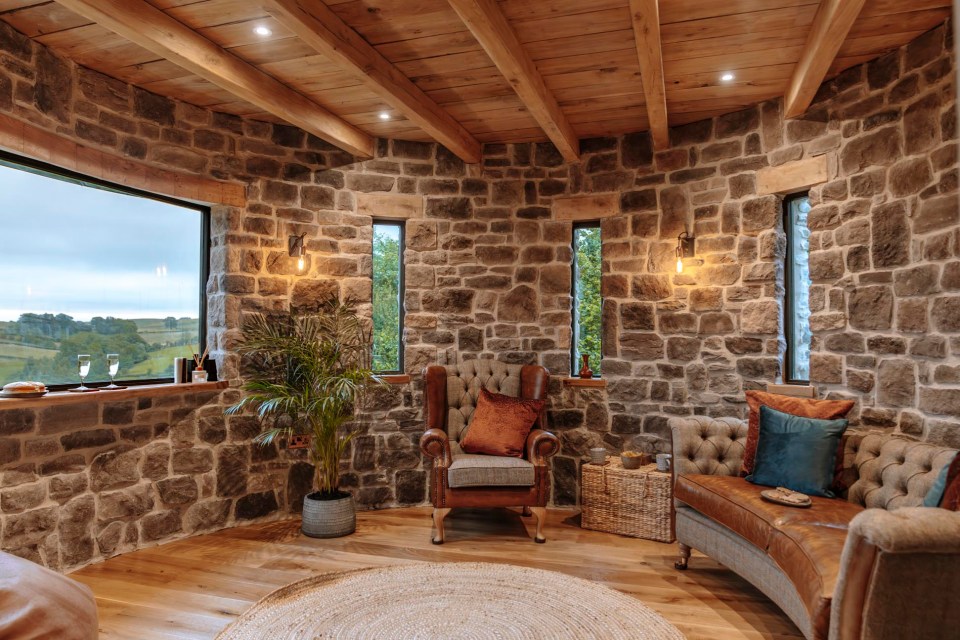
(585, 51)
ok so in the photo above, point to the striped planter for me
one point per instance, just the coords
(328, 518)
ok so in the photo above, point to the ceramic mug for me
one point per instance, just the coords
(664, 461)
(598, 455)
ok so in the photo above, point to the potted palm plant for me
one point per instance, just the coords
(305, 374)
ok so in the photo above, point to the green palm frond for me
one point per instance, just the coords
(305, 373)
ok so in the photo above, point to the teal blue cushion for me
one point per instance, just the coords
(935, 494)
(796, 453)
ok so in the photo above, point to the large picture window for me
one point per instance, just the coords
(587, 303)
(95, 269)
(797, 294)
(387, 296)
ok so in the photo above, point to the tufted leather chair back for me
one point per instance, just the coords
(892, 471)
(452, 390)
(708, 446)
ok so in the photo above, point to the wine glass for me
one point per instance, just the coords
(113, 366)
(83, 370)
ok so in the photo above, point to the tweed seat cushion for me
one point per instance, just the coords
(476, 470)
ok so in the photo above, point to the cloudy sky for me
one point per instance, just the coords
(67, 248)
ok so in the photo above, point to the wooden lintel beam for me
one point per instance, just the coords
(494, 33)
(829, 29)
(645, 15)
(314, 23)
(145, 25)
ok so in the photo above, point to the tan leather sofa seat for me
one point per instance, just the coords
(809, 553)
(805, 543)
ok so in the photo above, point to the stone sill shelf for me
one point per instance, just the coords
(592, 383)
(135, 391)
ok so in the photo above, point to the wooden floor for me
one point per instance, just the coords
(193, 588)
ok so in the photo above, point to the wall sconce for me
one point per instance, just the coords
(686, 244)
(297, 250)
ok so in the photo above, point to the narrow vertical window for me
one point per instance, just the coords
(387, 296)
(797, 294)
(587, 303)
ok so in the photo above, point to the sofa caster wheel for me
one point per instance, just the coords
(436, 541)
(680, 565)
(540, 540)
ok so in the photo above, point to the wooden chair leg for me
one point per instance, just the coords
(439, 513)
(541, 513)
(527, 512)
(681, 563)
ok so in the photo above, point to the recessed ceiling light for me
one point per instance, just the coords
(262, 31)
(384, 115)
(727, 77)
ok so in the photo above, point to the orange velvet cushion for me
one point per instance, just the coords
(803, 407)
(951, 495)
(500, 425)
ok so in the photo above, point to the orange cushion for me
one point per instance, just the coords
(803, 407)
(500, 425)
(951, 495)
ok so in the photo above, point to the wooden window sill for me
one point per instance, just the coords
(135, 391)
(395, 378)
(592, 383)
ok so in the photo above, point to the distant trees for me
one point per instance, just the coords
(98, 337)
(588, 300)
(386, 302)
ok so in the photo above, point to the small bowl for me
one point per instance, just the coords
(631, 462)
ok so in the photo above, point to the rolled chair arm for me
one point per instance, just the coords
(909, 530)
(435, 444)
(896, 568)
(541, 445)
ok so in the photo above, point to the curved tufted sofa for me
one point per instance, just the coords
(872, 565)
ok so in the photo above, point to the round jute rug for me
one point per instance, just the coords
(434, 601)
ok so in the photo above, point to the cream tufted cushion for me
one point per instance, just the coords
(893, 471)
(464, 382)
(708, 446)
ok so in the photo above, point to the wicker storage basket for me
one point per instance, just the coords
(637, 503)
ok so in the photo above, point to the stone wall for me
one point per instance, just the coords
(488, 276)
(80, 482)
(89, 480)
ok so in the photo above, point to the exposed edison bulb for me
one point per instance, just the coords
(300, 263)
(679, 265)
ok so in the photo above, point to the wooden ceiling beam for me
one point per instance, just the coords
(314, 23)
(143, 24)
(491, 28)
(830, 27)
(645, 15)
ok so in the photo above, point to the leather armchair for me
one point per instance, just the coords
(458, 479)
